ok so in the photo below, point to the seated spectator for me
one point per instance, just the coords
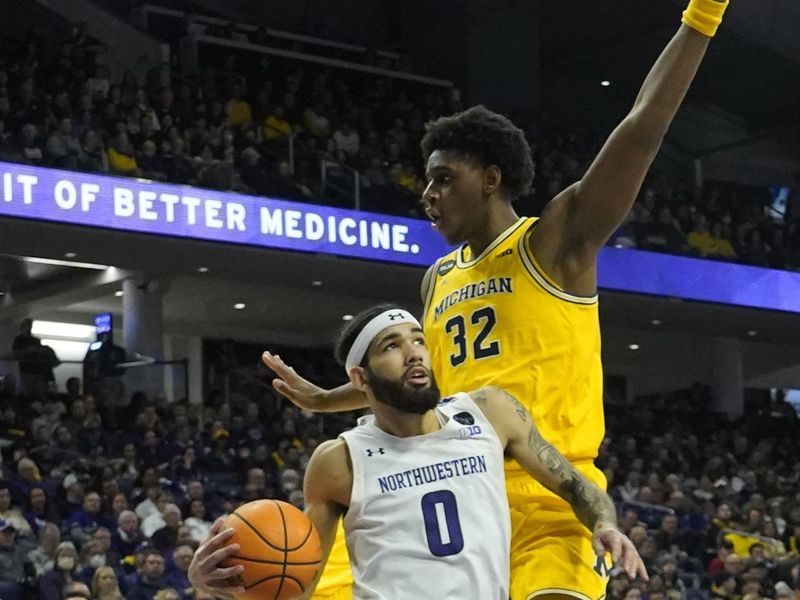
(717, 563)
(83, 523)
(721, 246)
(92, 556)
(12, 563)
(177, 577)
(149, 505)
(662, 235)
(155, 521)
(105, 585)
(667, 534)
(165, 539)
(275, 126)
(64, 571)
(237, 109)
(30, 148)
(150, 163)
(167, 594)
(345, 143)
(122, 157)
(92, 156)
(757, 251)
(42, 557)
(126, 538)
(149, 580)
(197, 520)
(11, 515)
(63, 148)
(77, 590)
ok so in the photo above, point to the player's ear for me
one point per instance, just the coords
(492, 177)
(358, 377)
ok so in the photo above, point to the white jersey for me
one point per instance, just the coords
(428, 515)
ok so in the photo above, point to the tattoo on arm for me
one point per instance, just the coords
(589, 502)
(520, 410)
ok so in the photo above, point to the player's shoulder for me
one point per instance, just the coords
(483, 396)
(330, 455)
(329, 470)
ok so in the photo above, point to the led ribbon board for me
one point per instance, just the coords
(182, 211)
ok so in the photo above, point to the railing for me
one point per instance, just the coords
(64, 369)
(140, 16)
(328, 168)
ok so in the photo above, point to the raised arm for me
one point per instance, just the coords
(580, 220)
(310, 396)
(326, 488)
(547, 465)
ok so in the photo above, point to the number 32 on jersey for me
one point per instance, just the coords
(471, 335)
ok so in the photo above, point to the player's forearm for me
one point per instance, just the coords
(339, 399)
(591, 504)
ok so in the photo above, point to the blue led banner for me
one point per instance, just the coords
(183, 211)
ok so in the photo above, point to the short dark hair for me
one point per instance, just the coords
(489, 138)
(350, 331)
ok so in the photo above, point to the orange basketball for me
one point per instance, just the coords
(279, 549)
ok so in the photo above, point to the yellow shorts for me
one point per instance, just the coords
(551, 551)
(336, 582)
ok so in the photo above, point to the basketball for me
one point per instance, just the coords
(279, 549)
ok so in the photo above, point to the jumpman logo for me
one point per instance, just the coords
(395, 316)
(371, 452)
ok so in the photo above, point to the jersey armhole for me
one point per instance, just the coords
(428, 285)
(355, 490)
(488, 422)
(542, 279)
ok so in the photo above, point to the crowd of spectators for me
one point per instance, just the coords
(712, 506)
(114, 501)
(229, 126)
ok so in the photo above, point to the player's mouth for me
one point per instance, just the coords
(418, 376)
(435, 218)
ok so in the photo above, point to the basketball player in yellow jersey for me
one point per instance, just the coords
(517, 302)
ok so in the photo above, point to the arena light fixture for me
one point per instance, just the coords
(752, 333)
(64, 331)
(633, 346)
(62, 263)
(316, 283)
(202, 269)
(70, 255)
(240, 306)
(655, 322)
(605, 83)
(347, 317)
(119, 293)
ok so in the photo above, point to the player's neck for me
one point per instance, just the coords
(404, 424)
(501, 216)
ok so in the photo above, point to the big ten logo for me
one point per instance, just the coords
(471, 431)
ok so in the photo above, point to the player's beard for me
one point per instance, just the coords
(398, 394)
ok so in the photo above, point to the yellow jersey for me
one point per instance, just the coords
(497, 319)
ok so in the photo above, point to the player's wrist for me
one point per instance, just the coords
(705, 15)
(605, 524)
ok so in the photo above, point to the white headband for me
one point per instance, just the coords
(373, 328)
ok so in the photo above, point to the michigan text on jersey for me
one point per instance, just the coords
(494, 285)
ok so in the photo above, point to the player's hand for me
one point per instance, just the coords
(608, 538)
(205, 572)
(292, 386)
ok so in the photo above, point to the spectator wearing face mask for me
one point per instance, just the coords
(93, 557)
(64, 571)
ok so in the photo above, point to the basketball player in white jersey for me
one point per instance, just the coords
(420, 482)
